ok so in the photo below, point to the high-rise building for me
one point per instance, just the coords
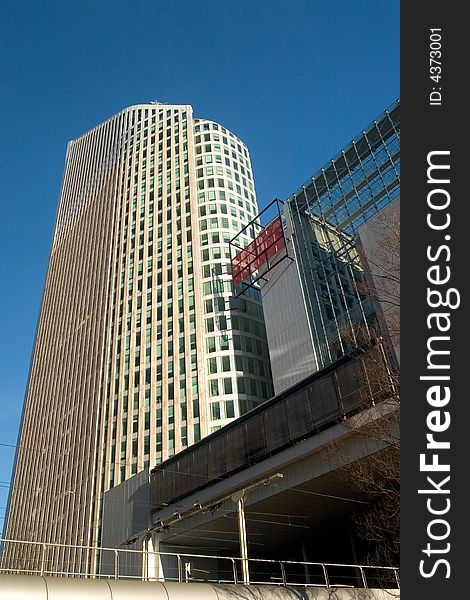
(140, 349)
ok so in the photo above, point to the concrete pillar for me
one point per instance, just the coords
(155, 570)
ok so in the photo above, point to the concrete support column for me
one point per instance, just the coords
(243, 540)
(154, 566)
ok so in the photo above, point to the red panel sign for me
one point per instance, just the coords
(258, 252)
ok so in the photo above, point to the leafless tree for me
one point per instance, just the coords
(378, 476)
(379, 247)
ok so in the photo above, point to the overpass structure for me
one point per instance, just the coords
(265, 500)
(272, 485)
(288, 459)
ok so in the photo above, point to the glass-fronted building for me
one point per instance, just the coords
(329, 281)
(359, 181)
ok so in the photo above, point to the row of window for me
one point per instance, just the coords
(211, 126)
(135, 116)
(223, 145)
(223, 209)
(213, 145)
(241, 363)
(218, 159)
(142, 420)
(220, 223)
(239, 385)
(143, 129)
(119, 475)
(222, 172)
(223, 183)
(242, 343)
(212, 195)
(235, 322)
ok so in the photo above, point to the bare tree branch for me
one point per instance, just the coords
(378, 475)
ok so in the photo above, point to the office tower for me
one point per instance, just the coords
(139, 351)
(320, 304)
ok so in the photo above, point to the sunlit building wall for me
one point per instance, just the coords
(139, 351)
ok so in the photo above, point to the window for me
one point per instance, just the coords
(253, 390)
(184, 436)
(224, 343)
(227, 385)
(215, 411)
(229, 409)
(214, 387)
(237, 342)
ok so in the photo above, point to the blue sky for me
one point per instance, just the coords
(295, 80)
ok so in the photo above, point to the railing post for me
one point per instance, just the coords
(234, 568)
(283, 574)
(157, 566)
(116, 564)
(180, 569)
(145, 565)
(363, 575)
(43, 558)
(397, 579)
(325, 574)
(187, 572)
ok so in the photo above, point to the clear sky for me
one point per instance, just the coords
(295, 79)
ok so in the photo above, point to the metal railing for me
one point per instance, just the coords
(48, 559)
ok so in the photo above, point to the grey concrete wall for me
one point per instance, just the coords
(126, 510)
(288, 330)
